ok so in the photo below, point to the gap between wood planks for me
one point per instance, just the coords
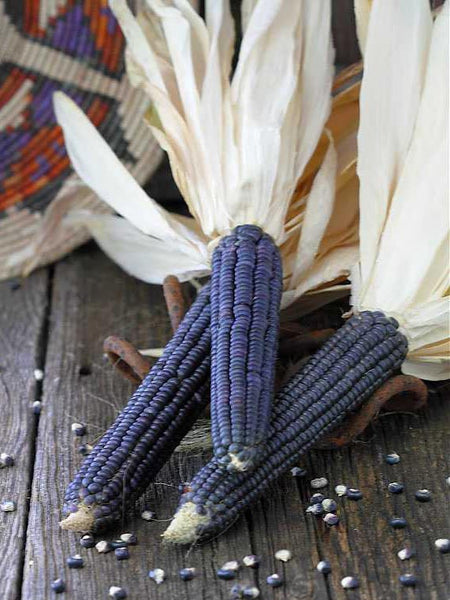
(40, 364)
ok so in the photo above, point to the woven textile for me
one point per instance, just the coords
(77, 47)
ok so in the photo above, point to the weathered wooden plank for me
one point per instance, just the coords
(93, 298)
(279, 522)
(364, 545)
(22, 327)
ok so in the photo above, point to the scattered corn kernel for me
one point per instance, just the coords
(275, 580)
(408, 580)
(117, 593)
(443, 545)
(158, 575)
(87, 541)
(405, 553)
(58, 586)
(392, 459)
(8, 506)
(6, 460)
(318, 483)
(75, 562)
(283, 555)
(324, 567)
(188, 573)
(78, 429)
(252, 560)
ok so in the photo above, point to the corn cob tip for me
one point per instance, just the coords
(81, 521)
(183, 528)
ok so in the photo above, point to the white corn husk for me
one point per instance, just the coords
(403, 144)
(237, 148)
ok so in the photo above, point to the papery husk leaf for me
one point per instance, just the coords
(396, 57)
(405, 268)
(140, 255)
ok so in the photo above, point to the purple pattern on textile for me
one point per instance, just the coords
(41, 108)
(58, 148)
(44, 167)
(10, 142)
(71, 34)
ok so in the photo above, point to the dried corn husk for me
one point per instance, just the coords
(403, 143)
(261, 148)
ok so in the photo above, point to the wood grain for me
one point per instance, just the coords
(22, 328)
(93, 298)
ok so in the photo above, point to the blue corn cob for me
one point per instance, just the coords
(156, 418)
(246, 285)
(358, 359)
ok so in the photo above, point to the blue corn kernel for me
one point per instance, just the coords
(298, 472)
(84, 449)
(315, 509)
(316, 499)
(37, 407)
(188, 573)
(324, 567)
(236, 591)
(231, 565)
(443, 545)
(58, 586)
(158, 575)
(78, 429)
(398, 523)
(8, 506)
(117, 593)
(225, 574)
(6, 460)
(118, 544)
(129, 538)
(405, 553)
(354, 494)
(275, 580)
(318, 483)
(408, 580)
(341, 490)
(329, 505)
(87, 541)
(122, 553)
(252, 560)
(392, 459)
(75, 562)
(103, 547)
(331, 519)
(395, 488)
(283, 555)
(349, 583)
(423, 495)
(250, 591)
(38, 374)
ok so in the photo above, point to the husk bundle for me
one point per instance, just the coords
(258, 148)
(403, 144)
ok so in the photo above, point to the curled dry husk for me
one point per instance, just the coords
(260, 148)
(403, 170)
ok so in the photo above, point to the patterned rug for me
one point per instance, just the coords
(75, 46)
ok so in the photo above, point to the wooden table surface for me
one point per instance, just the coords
(56, 321)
